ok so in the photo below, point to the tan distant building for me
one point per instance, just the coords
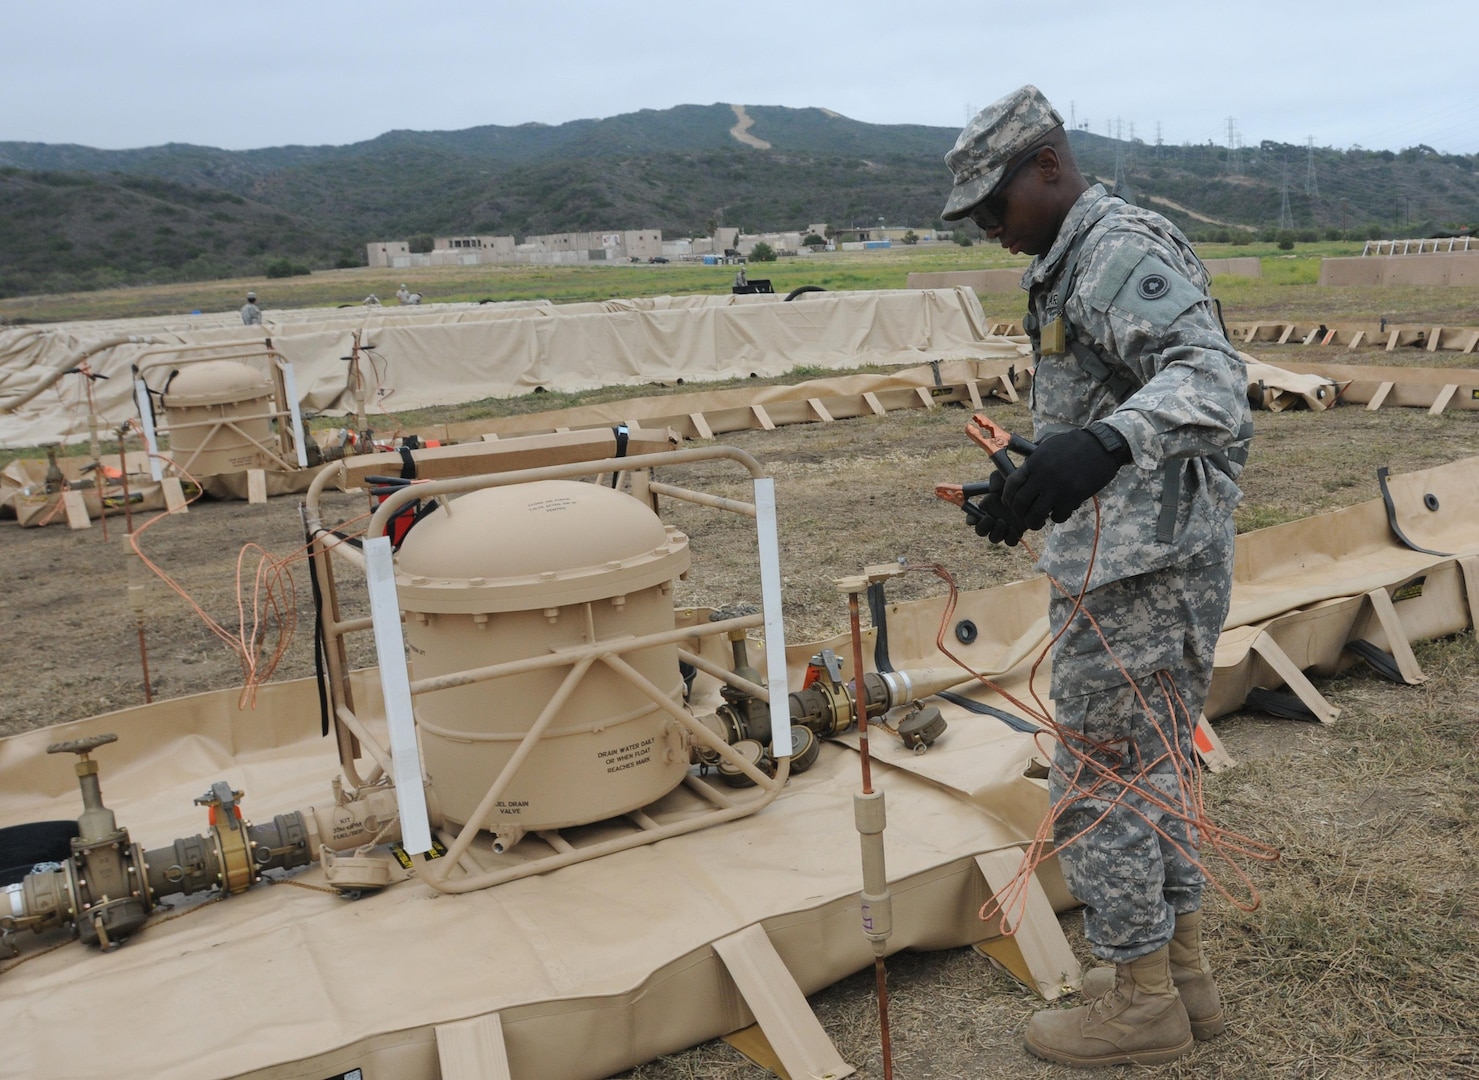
(782, 243)
(470, 250)
(388, 253)
(608, 246)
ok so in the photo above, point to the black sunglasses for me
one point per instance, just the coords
(987, 213)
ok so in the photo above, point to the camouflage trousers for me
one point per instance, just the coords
(1131, 862)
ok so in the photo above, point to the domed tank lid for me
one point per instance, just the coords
(538, 545)
(217, 382)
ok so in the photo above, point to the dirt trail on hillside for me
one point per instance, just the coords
(741, 130)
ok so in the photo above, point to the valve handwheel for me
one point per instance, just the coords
(83, 746)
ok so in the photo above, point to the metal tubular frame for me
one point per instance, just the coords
(351, 732)
(289, 434)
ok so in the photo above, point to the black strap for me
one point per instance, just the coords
(408, 463)
(1386, 498)
(623, 437)
(1217, 304)
(878, 611)
(320, 648)
(1119, 382)
(1165, 522)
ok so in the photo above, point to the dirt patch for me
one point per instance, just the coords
(75, 641)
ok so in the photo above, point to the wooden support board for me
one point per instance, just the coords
(174, 495)
(791, 1028)
(1432, 339)
(1037, 938)
(473, 1050)
(76, 507)
(1296, 680)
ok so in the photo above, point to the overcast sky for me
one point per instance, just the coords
(105, 73)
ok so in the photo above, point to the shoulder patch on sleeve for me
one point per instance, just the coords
(1152, 291)
(1117, 269)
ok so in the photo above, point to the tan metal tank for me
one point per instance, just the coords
(215, 409)
(509, 573)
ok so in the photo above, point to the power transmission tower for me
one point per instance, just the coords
(1157, 138)
(1232, 145)
(1311, 188)
(1119, 154)
(1072, 115)
(1286, 219)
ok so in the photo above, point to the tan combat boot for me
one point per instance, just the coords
(1189, 971)
(1141, 1021)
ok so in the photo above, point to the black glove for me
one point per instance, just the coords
(992, 518)
(1061, 475)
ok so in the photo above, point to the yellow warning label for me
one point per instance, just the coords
(1411, 591)
(403, 857)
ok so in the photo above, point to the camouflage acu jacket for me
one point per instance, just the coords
(1132, 292)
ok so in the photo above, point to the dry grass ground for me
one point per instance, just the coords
(1360, 961)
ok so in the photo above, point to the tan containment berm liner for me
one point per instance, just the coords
(589, 969)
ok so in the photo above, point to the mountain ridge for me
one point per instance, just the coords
(74, 217)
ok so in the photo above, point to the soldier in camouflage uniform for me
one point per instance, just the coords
(1139, 400)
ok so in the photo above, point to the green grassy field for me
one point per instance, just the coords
(880, 269)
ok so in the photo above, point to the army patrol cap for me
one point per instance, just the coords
(995, 135)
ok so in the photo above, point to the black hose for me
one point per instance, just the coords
(878, 612)
(23, 846)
